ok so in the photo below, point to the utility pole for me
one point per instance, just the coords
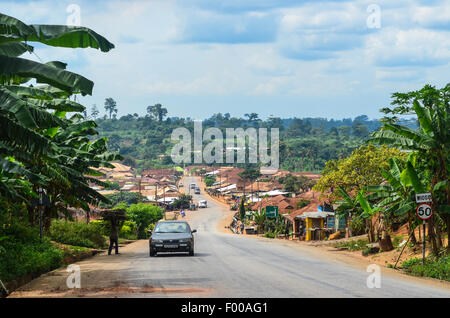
(164, 201)
(140, 192)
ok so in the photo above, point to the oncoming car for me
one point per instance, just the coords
(202, 204)
(171, 236)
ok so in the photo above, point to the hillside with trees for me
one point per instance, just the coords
(305, 144)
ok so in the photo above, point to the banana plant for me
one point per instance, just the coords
(431, 141)
(348, 207)
(41, 144)
(259, 217)
(397, 196)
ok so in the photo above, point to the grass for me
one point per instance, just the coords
(353, 245)
(433, 267)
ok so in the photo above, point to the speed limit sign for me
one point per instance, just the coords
(424, 211)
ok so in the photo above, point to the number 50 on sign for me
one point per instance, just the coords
(424, 211)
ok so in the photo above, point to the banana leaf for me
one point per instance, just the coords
(26, 113)
(12, 29)
(15, 48)
(59, 78)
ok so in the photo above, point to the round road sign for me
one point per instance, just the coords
(424, 211)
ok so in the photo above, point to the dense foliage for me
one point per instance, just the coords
(21, 252)
(357, 171)
(378, 185)
(143, 215)
(305, 144)
(45, 142)
(77, 233)
(182, 202)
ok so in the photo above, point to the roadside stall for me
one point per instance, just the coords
(314, 224)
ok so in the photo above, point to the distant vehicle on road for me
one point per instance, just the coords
(180, 185)
(197, 190)
(193, 185)
(202, 204)
(171, 236)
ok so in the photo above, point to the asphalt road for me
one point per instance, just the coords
(228, 265)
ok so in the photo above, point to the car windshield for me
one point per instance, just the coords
(172, 227)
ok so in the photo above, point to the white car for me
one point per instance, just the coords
(202, 204)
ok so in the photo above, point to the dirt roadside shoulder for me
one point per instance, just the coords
(327, 251)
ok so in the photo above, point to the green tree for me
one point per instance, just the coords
(110, 106)
(250, 174)
(209, 180)
(94, 111)
(157, 111)
(359, 129)
(182, 202)
(242, 209)
(143, 215)
(361, 169)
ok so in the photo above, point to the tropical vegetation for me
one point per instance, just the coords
(377, 185)
(47, 146)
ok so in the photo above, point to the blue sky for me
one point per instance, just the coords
(283, 58)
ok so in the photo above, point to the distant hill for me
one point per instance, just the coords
(305, 143)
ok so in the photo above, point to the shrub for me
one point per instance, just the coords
(435, 267)
(143, 215)
(103, 226)
(77, 233)
(128, 230)
(21, 253)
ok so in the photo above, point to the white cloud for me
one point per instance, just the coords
(252, 53)
(398, 75)
(415, 47)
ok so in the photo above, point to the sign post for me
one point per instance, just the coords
(424, 197)
(424, 211)
(271, 211)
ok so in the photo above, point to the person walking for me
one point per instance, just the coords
(242, 227)
(114, 236)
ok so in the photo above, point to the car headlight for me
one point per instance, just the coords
(184, 240)
(157, 241)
